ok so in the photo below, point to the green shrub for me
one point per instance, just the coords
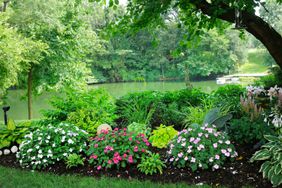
(173, 106)
(13, 134)
(271, 80)
(117, 148)
(139, 128)
(244, 130)
(137, 107)
(86, 109)
(228, 97)
(271, 153)
(74, 160)
(200, 147)
(161, 137)
(151, 164)
(49, 144)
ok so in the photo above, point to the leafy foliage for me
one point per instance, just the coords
(161, 136)
(271, 155)
(49, 144)
(200, 147)
(13, 133)
(271, 80)
(139, 128)
(151, 164)
(228, 97)
(74, 160)
(117, 148)
(244, 130)
(86, 109)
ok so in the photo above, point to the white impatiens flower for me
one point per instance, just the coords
(49, 151)
(53, 145)
(40, 156)
(71, 150)
(40, 151)
(37, 147)
(70, 141)
(14, 149)
(65, 154)
(48, 137)
(7, 151)
(63, 139)
(29, 150)
(39, 138)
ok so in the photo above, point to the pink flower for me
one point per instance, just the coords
(116, 161)
(180, 155)
(186, 158)
(135, 149)
(227, 142)
(137, 142)
(197, 140)
(110, 161)
(116, 129)
(223, 151)
(93, 157)
(96, 145)
(191, 139)
(130, 159)
(200, 134)
(193, 160)
(99, 168)
(130, 139)
(216, 157)
(143, 150)
(227, 154)
(215, 145)
(183, 144)
(171, 159)
(147, 144)
(124, 156)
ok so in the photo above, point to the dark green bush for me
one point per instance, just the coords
(245, 131)
(275, 78)
(155, 108)
(86, 109)
(228, 97)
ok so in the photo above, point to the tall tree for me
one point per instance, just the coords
(197, 15)
(65, 28)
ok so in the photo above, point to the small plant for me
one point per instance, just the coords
(49, 144)
(244, 130)
(162, 136)
(117, 148)
(200, 147)
(139, 128)
(74, 160)
(250, 108)
(271, 153)
(151, 164)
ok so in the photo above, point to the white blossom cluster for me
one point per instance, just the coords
(50, 144)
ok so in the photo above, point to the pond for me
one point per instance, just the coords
(18, 105)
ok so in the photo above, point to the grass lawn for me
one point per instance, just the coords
(14, 178)
(256, 62)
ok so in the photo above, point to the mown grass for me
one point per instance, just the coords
(15, 178)
(257, 62)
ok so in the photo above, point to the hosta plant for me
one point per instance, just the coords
(200, 147)
(151, 164)
(117, 148)
(271, 153)
(162, 136)
(49, 144)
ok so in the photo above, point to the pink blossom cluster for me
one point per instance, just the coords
(117, 147)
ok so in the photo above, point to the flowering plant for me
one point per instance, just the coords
(200, 147)
(49, 144)
(117, 148)
(273, 96)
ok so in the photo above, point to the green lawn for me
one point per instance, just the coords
(14, 178)
(257, 62)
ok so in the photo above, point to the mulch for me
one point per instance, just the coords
(235, 174)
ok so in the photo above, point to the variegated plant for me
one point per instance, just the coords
(271, 153)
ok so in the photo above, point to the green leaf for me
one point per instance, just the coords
(271, 138)
(11, 125)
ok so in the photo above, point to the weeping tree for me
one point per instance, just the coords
(199, 15)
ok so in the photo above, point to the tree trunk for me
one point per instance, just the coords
(29, 93)
(187, 77)
(255, 25)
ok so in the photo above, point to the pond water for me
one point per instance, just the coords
(18, 105)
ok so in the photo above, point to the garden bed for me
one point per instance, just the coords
(233, 174)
